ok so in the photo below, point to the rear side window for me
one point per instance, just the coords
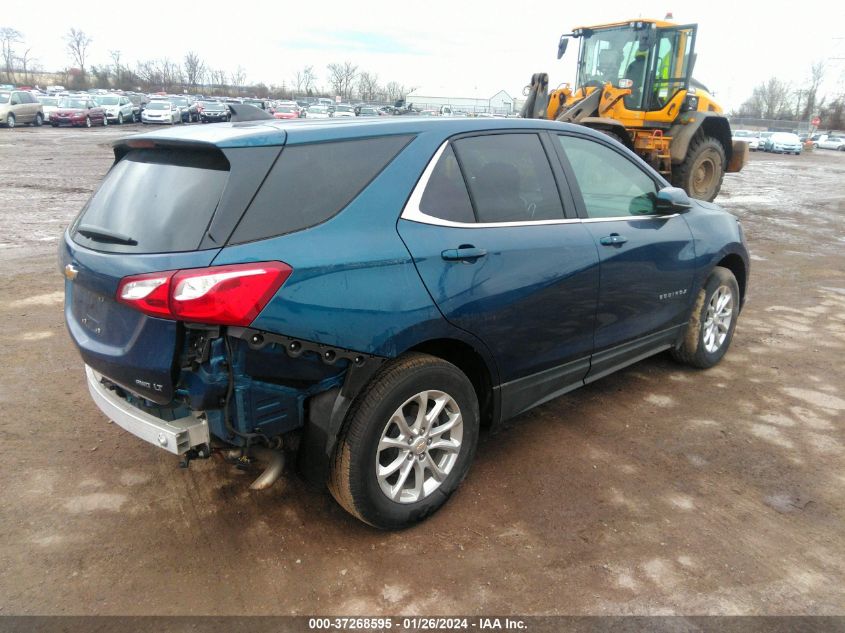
(509, 178)
(154, 201)
(445, 195)
(311, 183)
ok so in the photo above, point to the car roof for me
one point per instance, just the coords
(278, 132)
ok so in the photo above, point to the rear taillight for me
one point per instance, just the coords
(224, 295)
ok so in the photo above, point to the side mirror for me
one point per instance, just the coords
(672, 200)
(561, 46)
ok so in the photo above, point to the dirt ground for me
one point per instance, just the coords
(658, 490)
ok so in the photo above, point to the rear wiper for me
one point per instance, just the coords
(99, 234)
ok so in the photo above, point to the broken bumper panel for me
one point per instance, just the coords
(174, 436)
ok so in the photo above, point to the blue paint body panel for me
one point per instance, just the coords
(537, 308)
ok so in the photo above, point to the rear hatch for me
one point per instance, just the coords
(165, 205)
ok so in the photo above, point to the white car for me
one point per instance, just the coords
(118, 108)
(752, 138)
(161, 112)
(49, 105)
(831, 142)
(343, 111)
(784, 143)
(317, 112)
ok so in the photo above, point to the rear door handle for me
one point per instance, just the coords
(466, 253)
(614, 239)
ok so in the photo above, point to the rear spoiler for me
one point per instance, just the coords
(247, 112)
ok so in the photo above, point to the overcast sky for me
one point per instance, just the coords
(459, 48)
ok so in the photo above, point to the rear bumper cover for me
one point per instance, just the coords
(176, 436)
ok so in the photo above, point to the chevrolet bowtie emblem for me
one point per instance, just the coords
(71, 271)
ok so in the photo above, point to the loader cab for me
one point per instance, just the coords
(652, 58)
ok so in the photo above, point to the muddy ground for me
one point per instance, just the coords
(657, 490)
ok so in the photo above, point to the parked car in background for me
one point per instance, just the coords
(366, 111)
(763, 143)
(317, 112)
(832, 142)
(48, 106)
(749, 137)
(18, 107)
(187, 107)
(784, 143)
(213, 111)
(286, 111)
(119, 109)
(159, 111)
(343, 110)
(210, 301)
(78, 111)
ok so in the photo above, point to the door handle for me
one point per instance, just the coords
(614, 239)
(466, 253)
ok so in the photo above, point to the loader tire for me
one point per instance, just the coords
(702, 171)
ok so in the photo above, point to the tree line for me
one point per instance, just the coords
(191, 73)
(780, 100)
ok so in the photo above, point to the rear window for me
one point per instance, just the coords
(311, 183)
(154, 201)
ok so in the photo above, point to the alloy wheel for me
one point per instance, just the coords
(419, 446)
(717, 320)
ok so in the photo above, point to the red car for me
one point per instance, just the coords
(286, 112)
(76, 111)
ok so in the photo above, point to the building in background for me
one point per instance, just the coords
(428, 99)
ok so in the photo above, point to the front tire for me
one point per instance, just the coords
(88, 121)
(703, 169)
(120, 118)
(39, 119)
(407, 442)
(712, 322)
(10, 121)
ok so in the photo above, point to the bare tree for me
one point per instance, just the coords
(769, 100)
(117, 69)
(396, 90)
(812, 105)
(342, 77)
(368, 86)
(239, 78)
(194, 69)
(8, 38)
(77, 45)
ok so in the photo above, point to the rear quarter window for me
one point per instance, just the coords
(311, 183)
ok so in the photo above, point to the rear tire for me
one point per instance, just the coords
(39, 119)
(88, 121)
(712, 321)
(385, 443)
(703, 169)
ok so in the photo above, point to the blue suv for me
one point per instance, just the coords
(370, 293)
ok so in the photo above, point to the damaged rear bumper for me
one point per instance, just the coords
(175, 436)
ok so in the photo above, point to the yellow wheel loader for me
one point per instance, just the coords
(635, 83)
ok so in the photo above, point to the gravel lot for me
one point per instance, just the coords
(659, 490)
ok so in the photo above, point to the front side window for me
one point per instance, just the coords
(509, 178)
(611, 185)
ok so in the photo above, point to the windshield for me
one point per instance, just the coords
(158, 105)
(343, 109)
(179, 100)
(211, 105)
(284, 109)
(317, 109)
(48, 101)
(73, 103)
(5, 96)
(108, 100)
(653, 65)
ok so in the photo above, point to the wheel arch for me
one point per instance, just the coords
(736, 264)
(710, 124)
(473, 364)
(604, 124)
